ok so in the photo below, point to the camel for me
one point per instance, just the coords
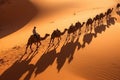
(72, 30)
(96, 19)
(89, 25)
(78, 26)
(101, 17)
(32, 39)
(56, 34)
(109, 11)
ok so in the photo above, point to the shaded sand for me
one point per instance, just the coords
(98, 60)
(14, 15)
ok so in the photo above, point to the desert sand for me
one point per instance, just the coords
(98, 60)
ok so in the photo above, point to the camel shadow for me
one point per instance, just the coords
(52, 46)
(29, 55)
(56, 34)
(111, 21)
(87, 39)
(67, 52)
(45, 61)
(18, 68)
(99, 29)
(15, 15)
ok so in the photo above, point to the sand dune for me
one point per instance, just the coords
(15, 15)
(97, 59)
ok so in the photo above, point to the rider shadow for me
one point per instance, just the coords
(87, 39)
(67, 52)
(45, 61)
(111, 21)
(16, 71)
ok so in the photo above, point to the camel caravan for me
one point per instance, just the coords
(73, 30)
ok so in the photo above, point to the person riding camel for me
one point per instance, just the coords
(35, 33)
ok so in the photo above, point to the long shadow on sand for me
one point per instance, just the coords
(20, 67)
(67, 52)
(45, 61)
(87, 39)
(99, 29)
(111, 21)
(15, 15)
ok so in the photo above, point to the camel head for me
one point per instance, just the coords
(47, 34)
(62, 33)
(83, 22)
(65, 29)
(105, 13)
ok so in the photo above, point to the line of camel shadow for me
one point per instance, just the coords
(67, 51)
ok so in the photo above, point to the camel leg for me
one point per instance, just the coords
(91, 28)
(58, 41)
(51, 42)
(37, 46)
(26, 48)
(66, 39)
(79, 32)
(74, 35)
(95, 24)
(31, 47)
(86, 29)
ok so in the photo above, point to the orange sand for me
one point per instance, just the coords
(97, 61)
